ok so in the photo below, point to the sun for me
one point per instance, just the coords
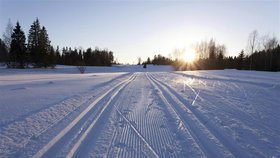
(190, 56)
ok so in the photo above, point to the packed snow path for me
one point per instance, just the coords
(153, 114)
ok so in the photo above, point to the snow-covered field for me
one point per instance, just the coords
(128, 111)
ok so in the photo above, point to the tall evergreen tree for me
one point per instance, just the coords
(51, 58)
(44, 49)
(33, 42)
(148, 60)
(3, 52)
(58, 56)
(39, 46)
(17, 55)
(240, 60)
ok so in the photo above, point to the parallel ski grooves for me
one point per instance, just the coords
(192, 124)
(234, 149)
(52, 142)
(138, 133)
(82, 138)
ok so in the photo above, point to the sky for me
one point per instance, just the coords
(133, 29)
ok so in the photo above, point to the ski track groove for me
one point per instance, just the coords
(178, 117)
(67, 107)
(148, 131)
(54, 140)
(125, 136)
(133, 140)
(148, 126)
(85, 134)
(105, 107)
(195, 125)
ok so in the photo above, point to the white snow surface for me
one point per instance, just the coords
(128, 111)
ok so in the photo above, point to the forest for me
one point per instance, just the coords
(38, 52)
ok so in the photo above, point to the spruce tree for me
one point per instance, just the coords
(17, 55)
(39, 46)
(57, 56)
(33, 43)
(148, 60)
(44, 49)
(51, 58)
(3, 52)
(240, 60)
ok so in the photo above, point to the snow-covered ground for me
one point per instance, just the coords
(128, 111)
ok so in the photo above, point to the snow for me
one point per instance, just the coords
(128, 111)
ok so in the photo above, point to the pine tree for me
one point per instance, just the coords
(3, 52)
(148, 60)
(39, 46)
(44, 49)
(240, 60)
(220, 61)
(58, 56)
(17, 55)
(51, 58)
(111, 58)
(33, 43)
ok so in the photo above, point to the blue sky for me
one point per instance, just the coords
(134, 29)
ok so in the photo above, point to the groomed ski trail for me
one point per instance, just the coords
(54, 140)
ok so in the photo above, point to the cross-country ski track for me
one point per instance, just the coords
(153, 114)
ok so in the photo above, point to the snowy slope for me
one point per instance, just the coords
(153, 112)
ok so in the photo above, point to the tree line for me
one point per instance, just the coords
(39, 53)
(263, 53)
(157, 60)
(88, 57)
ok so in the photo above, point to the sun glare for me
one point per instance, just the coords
(190, 56)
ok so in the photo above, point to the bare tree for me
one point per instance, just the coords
(263, 41)
(7, 35)
(202, 49)
(82, 68)
(252, 43)
(268, 44)
(178, 54)
(271, 44)
(212, 49)
(221, 50)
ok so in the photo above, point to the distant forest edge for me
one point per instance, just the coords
(211, 56)
(263, 53)
(39, 53)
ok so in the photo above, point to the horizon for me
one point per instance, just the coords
(144, 29)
